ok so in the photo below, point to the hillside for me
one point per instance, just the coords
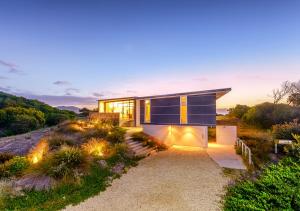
(20, 115)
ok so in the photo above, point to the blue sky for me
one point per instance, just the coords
(71, 52)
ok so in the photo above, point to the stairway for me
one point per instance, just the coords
(138, 148)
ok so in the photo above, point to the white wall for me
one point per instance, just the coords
(226, 135)
(178, 134)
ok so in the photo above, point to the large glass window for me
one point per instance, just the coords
(147, 111)
(183, 110)
(124, 108)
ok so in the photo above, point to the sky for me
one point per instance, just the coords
(74, 52)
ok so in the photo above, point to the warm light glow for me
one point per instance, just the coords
(186, 148)
(183, 109)
(37, 153)
(125, 108)
(101, 107)
(95, 147)
(147, 111)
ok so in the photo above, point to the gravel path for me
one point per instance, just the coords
(169, 180)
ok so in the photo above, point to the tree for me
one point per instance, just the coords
(238, 111)
(282, 92)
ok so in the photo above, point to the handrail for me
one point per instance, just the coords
(246, 151)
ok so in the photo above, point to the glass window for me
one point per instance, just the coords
(124, 108)
(101, 107)
(147, 111)
(183, 110)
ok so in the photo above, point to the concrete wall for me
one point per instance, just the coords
(196, 136)
(226, 135)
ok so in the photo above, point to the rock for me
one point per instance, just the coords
(36, 182)
(118, 168)
(102, 164)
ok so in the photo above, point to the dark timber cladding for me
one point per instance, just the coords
(165, 110)
(201, 110)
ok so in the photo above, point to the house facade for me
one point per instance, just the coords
(175, 119)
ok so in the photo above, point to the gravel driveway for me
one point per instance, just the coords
(169, 180)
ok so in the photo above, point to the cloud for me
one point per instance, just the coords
(55, 100)
(71, 91)
(5, 89)
(61, 83)
(96, 94)
(3, 77)
(12, 68)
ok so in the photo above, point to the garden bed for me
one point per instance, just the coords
(78, 160)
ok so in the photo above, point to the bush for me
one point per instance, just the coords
(276, 189)
(95, 147)
(64, 163)
(97, 132)
(5, 156)
(285, 131)
(38, 152)
(14, 167)
(267, 114)
(116, 135)
(70, 127)
(238, 111)
(57, 141)
(56, 118)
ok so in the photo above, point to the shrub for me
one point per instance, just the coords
(285, 131)
(14, 166)
(57, 140)
(238, 111)
(70, 127)
(267, 114)
(5, 156)
(116, 135)
(276, 189)
(95, 147)
(97, 132)
(64, 163)
(56, 118)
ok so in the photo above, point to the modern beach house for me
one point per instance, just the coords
(175, 119)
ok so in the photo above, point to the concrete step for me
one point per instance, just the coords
(134, 144)
(135, 148)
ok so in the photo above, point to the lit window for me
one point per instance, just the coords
(183, 110)
(101, 107)
(147, 111)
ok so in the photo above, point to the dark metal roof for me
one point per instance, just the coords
(219, 93)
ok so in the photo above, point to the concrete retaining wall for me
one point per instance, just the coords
(196, 136)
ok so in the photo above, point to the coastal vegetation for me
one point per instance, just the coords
(20, 115)
(76, 161)
(273, 183)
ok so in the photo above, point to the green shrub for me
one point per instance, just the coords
(56, 118)
(5, 156)
(276, 189)
(285, 131)
(116, 135)
(14, 167)
(58, 140)
(267, 114)
(64, 163)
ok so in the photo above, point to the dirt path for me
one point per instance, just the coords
(170, 180)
